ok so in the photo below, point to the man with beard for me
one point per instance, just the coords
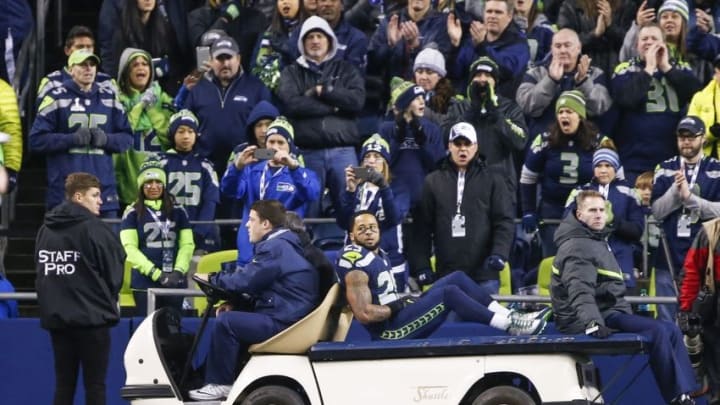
(683, 196)
(464, 212)
(377, 299)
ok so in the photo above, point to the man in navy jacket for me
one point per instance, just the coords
(282, 282)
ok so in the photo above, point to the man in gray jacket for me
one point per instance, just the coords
(588, 296)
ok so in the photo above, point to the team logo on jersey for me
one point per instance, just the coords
(77, 106)
(285, 187)
(241, 99)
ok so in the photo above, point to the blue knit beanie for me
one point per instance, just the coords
(606, 155)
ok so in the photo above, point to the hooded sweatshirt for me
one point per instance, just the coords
(78, 275)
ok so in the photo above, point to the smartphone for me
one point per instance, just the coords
(264, 154)
(202, 55)
(160, 66)
(362, 173)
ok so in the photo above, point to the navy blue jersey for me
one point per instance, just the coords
(557, 170)
(384, 286)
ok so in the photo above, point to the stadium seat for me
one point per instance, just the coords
(544, 274)
(505, 281)
(209, 263)
(301, 335)
(126, 294)
(652, 292)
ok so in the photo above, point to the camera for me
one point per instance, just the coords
(160, 66)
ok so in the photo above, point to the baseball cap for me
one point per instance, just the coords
(463, 130)
(691, 126)
(224, 46)
(80, 56)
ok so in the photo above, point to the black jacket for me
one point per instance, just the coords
(489, 224)
(587, 283)
(79, 269)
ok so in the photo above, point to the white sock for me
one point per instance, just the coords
(500, 321)
(498, 309)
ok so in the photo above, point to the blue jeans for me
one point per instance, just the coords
(329, 165)
(668, 356)
(455, 292)
(664, 288)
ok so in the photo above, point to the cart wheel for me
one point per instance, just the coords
(273, 395)
(503, 395)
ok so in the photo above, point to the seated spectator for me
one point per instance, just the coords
(558, 160)
(78, 127)
(149, 109)
(282, 178)
(497, 38)
(429, 73)
(415, 143)
(372, 193)
(322, 96)
(399, 38)
(378, 299)
(284, 288)
(601, 27)
(537, 28)
(274, 49)
(652, 91)
(463, 217)
(157, 238)
(566, 70)
(588, 296)
(79, 37)
(625, 218)
(240, 21)
(706, 105)
(191, 179)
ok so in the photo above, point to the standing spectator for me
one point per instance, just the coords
(352, 43)
(601, 26)
(283, 285)
(429, 73)
(415, 143)
(399, 38)
(79, 126)
(282, 178)
(625, 218)
(222, 100)
(79, 37)
(497, 38)
(78, 307)
(566, 70)
(588, 296)
(11, 133)
(191, 179)
(149, 109)
(464, 214)
(374, 194)
(558, 160)
(274, 50)
(684, 194)
(652, 91)
(322, 95)
(706, 106)
(237, 19)
(672, 18)
(157, 238)
(537, 28)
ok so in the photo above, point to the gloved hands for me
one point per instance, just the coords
(397, 305)
(715, 130)
(12, 179)
(597, 330)
(230, 10)
(530, 222)
(149, 98)
(99, 137)
(494, 263)
(690, 323)
(82, 137)
(425, 277)
(417, 130)
(171, 279)
(377, 179)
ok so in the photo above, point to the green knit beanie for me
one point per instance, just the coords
(573, 100)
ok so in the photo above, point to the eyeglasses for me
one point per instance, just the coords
(372, 228)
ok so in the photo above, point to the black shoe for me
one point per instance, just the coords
(683, 399)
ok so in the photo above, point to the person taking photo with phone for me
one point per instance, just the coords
(271, 173)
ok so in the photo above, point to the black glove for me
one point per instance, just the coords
(477, 95)
(12, 179)
(377, 179)
(597, 330)
(690, 323)
(417, 130)
(425, 277)
(397, 305)
(82, 137)
(230, 10)
(99, 137)
(173, 279)
(715, 130)
(494, 263)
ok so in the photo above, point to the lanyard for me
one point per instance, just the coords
(460, 189)
(694, 174)
(604, 190)
(164, 227)
(263, 184)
